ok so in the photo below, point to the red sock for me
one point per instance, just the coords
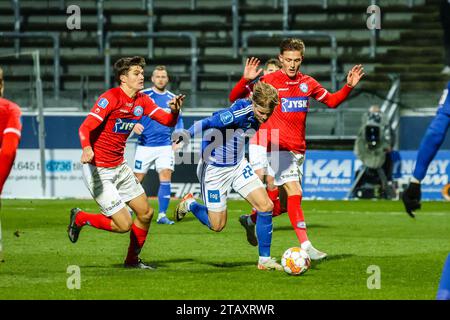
(253, 215)
(273, 194)
(296, 217)
(277, 208)
(137, 240)
(96, 220)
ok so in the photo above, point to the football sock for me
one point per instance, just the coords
(263, 259)
(164, 196)
(252, 217)
(296, 216)
(273, 194)
(264, 233)
(444, 285)
(137, 240)
(277, 210)
(200, 212)
(96, 220)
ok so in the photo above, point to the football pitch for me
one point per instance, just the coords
(364, 239)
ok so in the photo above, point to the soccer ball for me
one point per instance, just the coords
(295, 261)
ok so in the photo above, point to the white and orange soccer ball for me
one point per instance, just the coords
(295, 261)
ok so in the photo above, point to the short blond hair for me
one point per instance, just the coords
(265, 95)
(292, 44)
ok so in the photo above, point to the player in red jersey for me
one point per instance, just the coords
(10, 131)
(286, 130)
(110, 181)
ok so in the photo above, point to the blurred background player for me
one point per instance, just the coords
(431, 142)
(257, 150)
(288, 123)
(10, 132)
(223, 166)
(155, 145)
(110, 181)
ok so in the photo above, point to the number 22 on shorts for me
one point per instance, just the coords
(247, 172)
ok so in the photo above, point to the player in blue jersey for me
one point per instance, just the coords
(223, 166)
(429, 146)
(154, 150)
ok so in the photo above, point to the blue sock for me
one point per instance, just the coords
(200, 212)
(264, 233)
(431, 142)
(444, 285)
(164, 196)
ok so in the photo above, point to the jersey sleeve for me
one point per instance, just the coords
(158, 114)
(331, 100)
(242, 89)
(103, 106)
(14, 123)
(221, 120)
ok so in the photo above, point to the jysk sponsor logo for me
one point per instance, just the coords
(296, 104)
(213, 196)
(226, 117)
(103, 103)
(124, 125)
(138, 111)
(58, 166)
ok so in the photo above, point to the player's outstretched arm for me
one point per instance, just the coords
(176, 103)
(333, 100)
(354, 75)
(158, 114)
(251, 72)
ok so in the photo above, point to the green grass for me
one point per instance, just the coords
(195, 263)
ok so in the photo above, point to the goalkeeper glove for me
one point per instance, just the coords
(411, 198)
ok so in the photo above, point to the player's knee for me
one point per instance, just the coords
(124, 227)
(217, 228)
(266, 206)
(148, 216)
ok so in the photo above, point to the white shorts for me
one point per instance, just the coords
(158, 158)
(258, 159)
(216, 183)
(287, 166)
(111, 188)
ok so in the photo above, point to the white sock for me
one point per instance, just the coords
(263, 259)
(189, 202)
(306, 245)
(161, 215)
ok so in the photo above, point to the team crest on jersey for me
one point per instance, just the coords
(103, 103)
(138, 111)
(226, 117)
(304, 87)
